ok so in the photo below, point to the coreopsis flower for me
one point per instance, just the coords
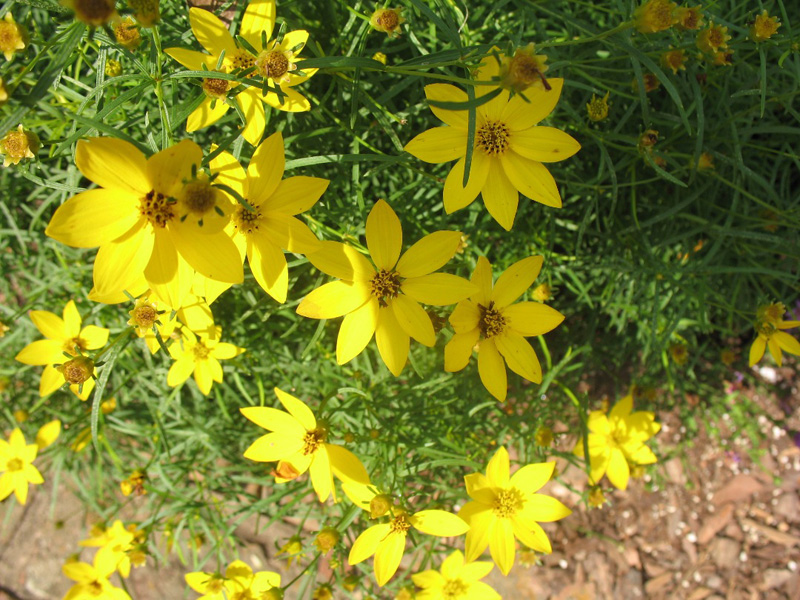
(16, 466)
(770, 326)
(651, 83)
(382, 300)
(616, 442)
(597, 108)
(523, 70)
(149, 315)
(47, 434)
(456, 580)
(498, 327)
(510, 148)
(544, 436)
(596, 497)
(705, 162)
(722, 58)
(91, 581)
(92, 12)
(113, 68)
(13, 36)
(679, 353)
(127, 33)
(688, 17)
(387, 20)
(64, 338)
(654, 16)
(274, 64)
(17, 145)
(201, 356)
(323, 592)
(77, 371)
(156, 221)
(134, 483)
(326, 539)
(387, 541)
(764, 27)
(674, 60)
(505, 507)
(115, 544)
(298, 443)
(271, 226)
(238, 583)
(147, 12)
(713, 38)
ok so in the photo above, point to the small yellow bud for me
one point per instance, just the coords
(3, 100)
(134, 483)
(705, 162)
(764, 27)
(77, 371)
(13, 36)
(127, 33)
(108, 406)
(542, 292)
(18, 144)
(113, 68)
(374, 434)
(327, 539)
(350, 582)
(544, 437)
(387, 20)
(379, 505)
(679, 353)
(380, 57)
(272, 594)
(21, 415)
(323, 592)
(596, 497)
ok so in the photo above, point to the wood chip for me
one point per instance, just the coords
(737, 489)
(772, 534)
(715, 523)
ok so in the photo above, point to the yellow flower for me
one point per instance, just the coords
(18, 144)
(201, 357)
(688, 17)
(91, 581)
(498, 327)
(679, 353)
(239, 583)
(326, 539)
(299, 444)
(542, 292)
(523, 70)
(617, 442)
(651, 83)
(115, 545)
(293, 549)
(764, 27)
(134, 483)
(596, 497)
(597, 108)
(713, 38)
(3, 100)
(92, 12)
(147, 12)
(654, 16)
(127, 33)
(504, 507)
(723, 58)
(113, 68)
(769, 325)
(387, 20)
(674, 60)
(271, 226)
(458, 580)
(509, 147)
(16, 463)
(63, 335)
(383, 299)
(544, 436)
(705, 162)
(272, 64)
(155, 220)
(323, 592)
(13, 36)
(387, 541)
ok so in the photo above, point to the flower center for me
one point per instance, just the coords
(71, 345)
(96, 588)
(214, 586)
(385, 285)
(144, 316)
(492, 137)
(94, 12)
(388, 19)
(215, 88)
(313, 439)
(245, 221)
(199, 197)
(157, 208)
(15, 464)
(243, 61)
(77, 371)
(454, 588)
(272, 64)
(201, 351)
(491, 321)
(507, 503)
(400, 525)
(766, 329)
(15, 144)
(715, 38)
(525, 70)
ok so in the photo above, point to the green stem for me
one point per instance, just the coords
(158, 80)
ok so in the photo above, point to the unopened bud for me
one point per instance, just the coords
(327, 539)
(77, 371)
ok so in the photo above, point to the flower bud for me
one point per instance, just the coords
(327, 539)
(77, 371)
(379, 505)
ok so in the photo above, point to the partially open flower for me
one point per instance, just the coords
(127, 33)
(764, 27)
(18, 144)
(387, 20)
(77, 371)
(327, 539)
(13, 36)
(654, 16)
(92, 12)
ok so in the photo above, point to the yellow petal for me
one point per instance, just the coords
(229, 171)
(500, 196)
(456, 196)
(192, 59)
(437, 289)
(501, 545)
(297, 408)
(211, 32)
(273, 447)
(516, 280)
(458, 350)
(520, 114)
(275, 420)
(545, 509)
(429, 254)
(532, 179)
(113, 164)
(321, 476)
(254, 118)
(466, 317)
(266, 169)
(180, 371)
(213, 255)
(292, 101)
(295, 41)
(775, 350)
(438, 145)
(622, 408)
(50, 325)
(51, 380)
(259, 17)
(119, 265)
(290, 233)
(172, 166)
(203, 376)
(532, 318)
(393, 342)
(532, 478)
(367, 543)
(72, 319)
(492, 370)
(413, 319)
(787, 342)
(94, 218)
(384, 236)
(519, 356)
(544, 144)
(757, 350)
(346, 466)
(532, 535)
(296, 195)
(168, 274)
(334, 299)
(618, 471)
(41, 352)
(439, 523)
(269, 267)
(388, 556)
(444, 92)
(356, 331)
(480, 524)
(482, 279)
(225, 351)
(209, 112)
(342, 261)
(498, 468)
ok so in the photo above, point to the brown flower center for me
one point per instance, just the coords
(201, 351)
(15, 144)
(77, 371)
(492, 137)
(75, 346)
(145, 316)
(199, 197)
(215, 88)
(15, 464)
(272, 64)
(491, 321)
(157, 208)
(245, 221)
(525, 70)
(385, 285)
(388, 19)
(313, 440)
(507, 502)
(400, 524)
(94, 12)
